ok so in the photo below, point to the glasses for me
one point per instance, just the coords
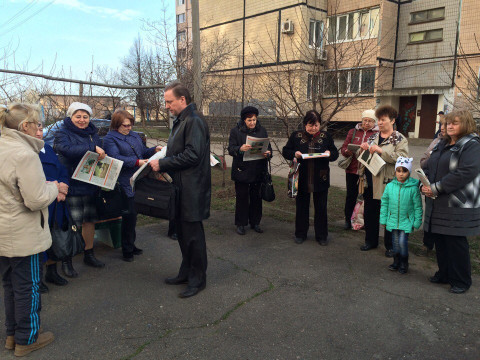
(402, 170)
(127, 126)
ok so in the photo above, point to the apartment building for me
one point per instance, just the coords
(183, 19)
(341, 57)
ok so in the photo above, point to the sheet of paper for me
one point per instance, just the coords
(315, 155)
(373, 162)
(259, 147)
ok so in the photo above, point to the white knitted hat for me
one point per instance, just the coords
(404, 162)
(369, 114)
(75, 106)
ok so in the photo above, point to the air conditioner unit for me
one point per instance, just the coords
(287, 27)
(322, 54)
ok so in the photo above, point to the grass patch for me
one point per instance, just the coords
(153, 132)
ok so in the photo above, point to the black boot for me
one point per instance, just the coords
(396, 263)
(67, 268)
(42, 288)
(90, 259)
(52, 276)
(403, 268)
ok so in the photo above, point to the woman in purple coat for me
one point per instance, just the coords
(123, 144)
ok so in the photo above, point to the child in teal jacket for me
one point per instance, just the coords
(401, 211)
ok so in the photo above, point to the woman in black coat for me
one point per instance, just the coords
(314, 175)
(452, 203)
(247, 174)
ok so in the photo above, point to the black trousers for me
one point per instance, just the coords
(191, 238)
(453, 258)
(21, 278)
(248, 204)
(129, 222)
(372, 221)
(352, 194)
(302, 220)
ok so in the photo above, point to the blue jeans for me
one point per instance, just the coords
(400, 242)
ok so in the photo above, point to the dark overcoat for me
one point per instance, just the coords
(71, 143)
(128, 148)
(246, 171)
(188, 163)
(54, 171)
(314, 173)
(456, 210)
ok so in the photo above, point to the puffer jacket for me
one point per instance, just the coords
(401, 206)
(246, 171)
(361, 136)
(393, 147)
(24, 196)
(71, 143)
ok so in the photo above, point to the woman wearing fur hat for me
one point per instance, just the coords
(24, 233)
(75, 137)
(389, 144)
(358, 135)
(247, 174)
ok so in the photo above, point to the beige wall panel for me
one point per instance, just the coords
(470, 26)
(388, 28)
(256, 7)
(342, 6)
(261, 35)
(351, 112)
(216, 11)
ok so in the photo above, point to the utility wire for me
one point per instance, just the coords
(25, 20)
(6, 71)
(20, 12)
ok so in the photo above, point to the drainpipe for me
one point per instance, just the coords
(457, 40)
(243, 54)
(396, 45)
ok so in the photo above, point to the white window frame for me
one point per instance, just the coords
(184, 33)
(178, 18)
(349, 83)
(322, 35)
(355, 36)
(181, 2)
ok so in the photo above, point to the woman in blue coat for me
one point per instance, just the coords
(123, 144)
(75, 137)
(54, 171)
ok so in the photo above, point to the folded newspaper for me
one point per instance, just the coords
(423, 178)
(373, 162)
(259, 147)
(314, 155)
(103, 173)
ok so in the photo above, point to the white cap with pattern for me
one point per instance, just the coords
(404, 162)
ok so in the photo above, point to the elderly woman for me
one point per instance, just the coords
(75, 137)
(24, 234)
(452, 204)
(54, 171)
(247, 174)
(314, 175)
(358, 135)
(389, 144)
(126, 145)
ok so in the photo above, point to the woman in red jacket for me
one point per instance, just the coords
(358, 135)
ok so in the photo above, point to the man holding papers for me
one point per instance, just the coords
(314, 175)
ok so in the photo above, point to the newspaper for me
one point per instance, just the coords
(259, 147)
(103, 173)
(158, 155)
(373, 162)
(423, 178)
(314, 155)
(353, 147)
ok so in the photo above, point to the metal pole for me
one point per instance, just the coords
(197, 56)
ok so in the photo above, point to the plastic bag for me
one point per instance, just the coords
(357, 216)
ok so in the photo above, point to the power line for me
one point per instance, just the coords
(28, 18)
(20, 12)
(47, 77)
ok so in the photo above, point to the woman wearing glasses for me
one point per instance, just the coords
(358, 135)
(124, 144)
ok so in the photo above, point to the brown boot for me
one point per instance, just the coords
(10, 342)
(43, 340)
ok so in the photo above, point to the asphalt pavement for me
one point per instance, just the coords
(266, 298)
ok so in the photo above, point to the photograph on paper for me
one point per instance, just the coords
(103, 173)
(314, 155)
(259, 146)
(373, 162)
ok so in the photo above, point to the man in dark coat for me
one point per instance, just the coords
(188, 162)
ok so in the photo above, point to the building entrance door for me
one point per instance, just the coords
(428, 115)
(407, 113)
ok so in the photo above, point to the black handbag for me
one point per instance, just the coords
(156, 198)
(67, 241)
(266, 187)
(111, 204)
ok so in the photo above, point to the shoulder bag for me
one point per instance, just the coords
(344, 162)
(293, 176)
(111, 204)
(267, 190)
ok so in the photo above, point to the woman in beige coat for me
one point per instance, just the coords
(389, 144)
(24, 233)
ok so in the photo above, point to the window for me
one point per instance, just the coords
(313, 87)
(354, 26)
(315, 37)
(426, 36)
(354, 81)
(181, 36)
(181, 18)
(427, 15)
(181, 2)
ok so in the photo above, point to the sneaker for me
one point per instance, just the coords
(43, 340)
